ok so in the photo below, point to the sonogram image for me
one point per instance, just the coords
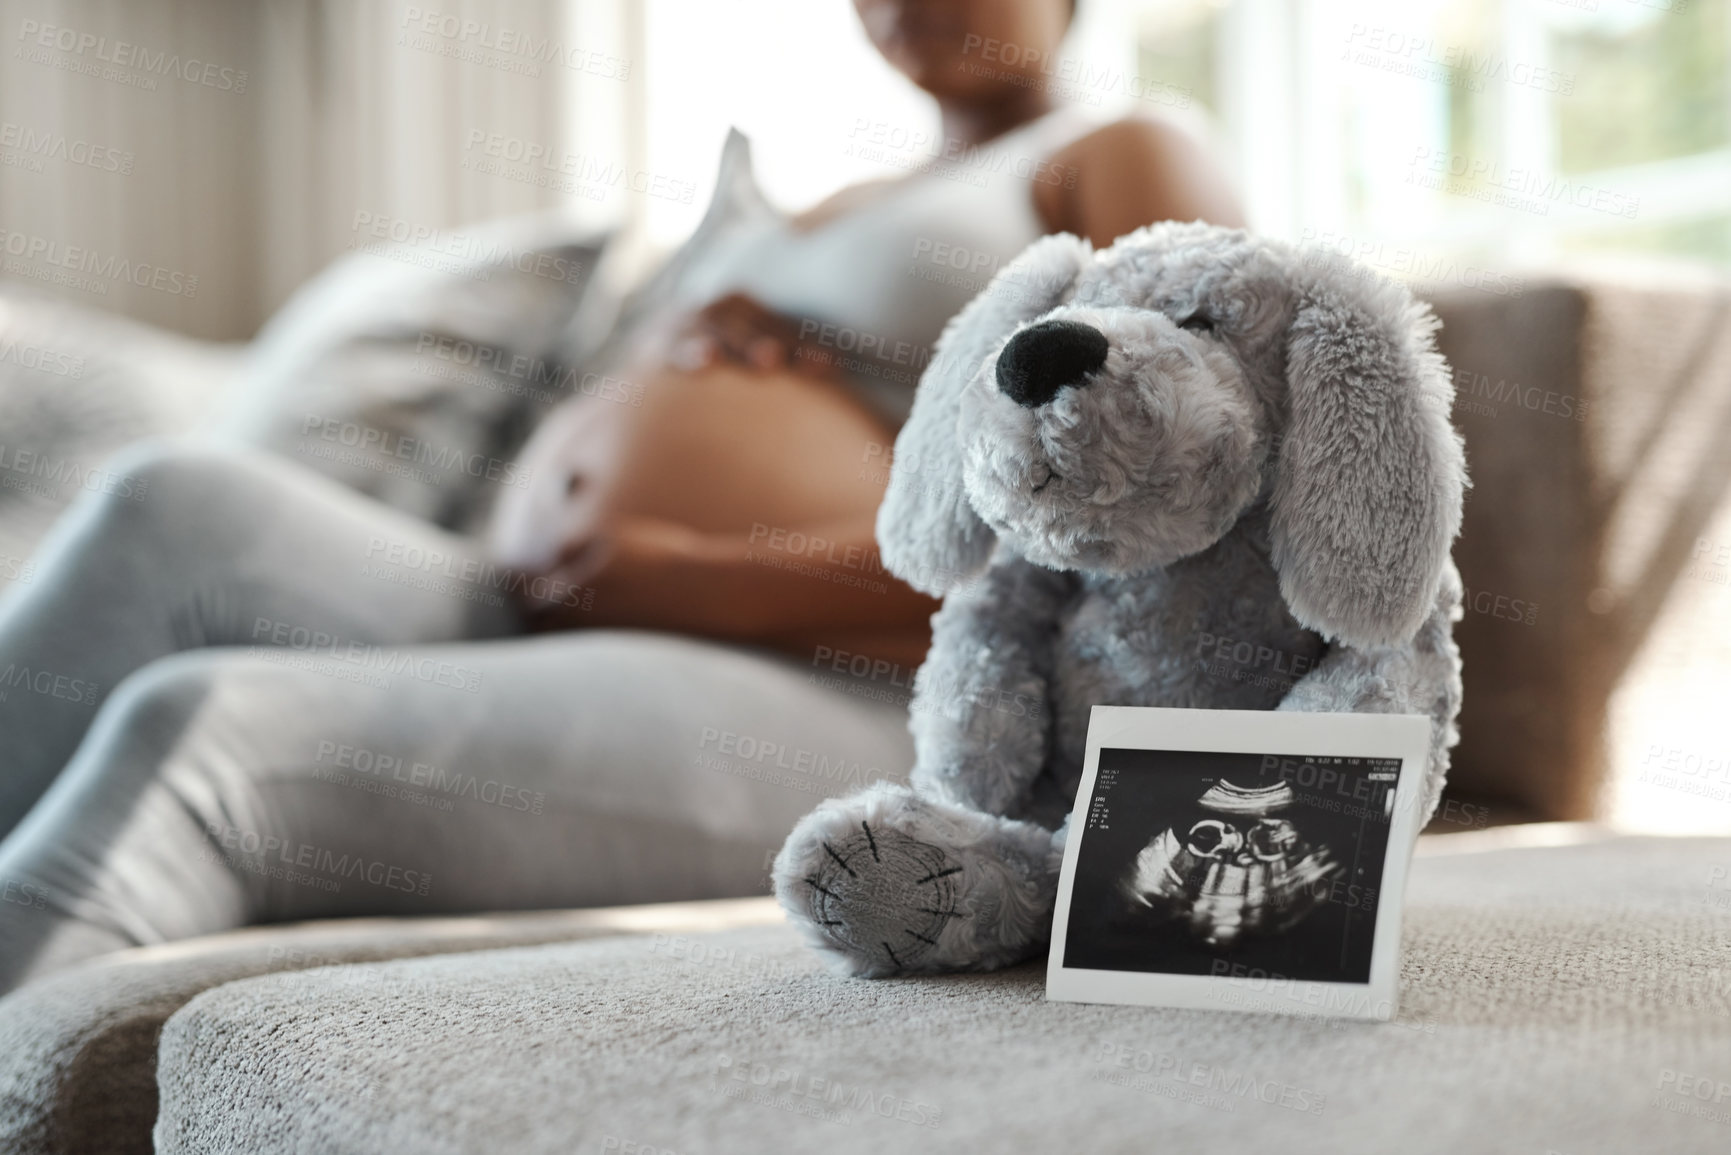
(1201, 862)
(1248, 871)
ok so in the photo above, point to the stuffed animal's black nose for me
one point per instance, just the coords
(1043, 358)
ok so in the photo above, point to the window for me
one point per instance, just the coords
(1501, 131)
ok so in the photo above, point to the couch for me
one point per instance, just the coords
(1563, 988)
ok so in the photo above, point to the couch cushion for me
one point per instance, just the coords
(412, 375)
(76, 384)
(78, 1051)
(1573, 998)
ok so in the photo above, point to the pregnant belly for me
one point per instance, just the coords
(721, 449)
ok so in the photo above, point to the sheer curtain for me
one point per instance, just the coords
(189, 162)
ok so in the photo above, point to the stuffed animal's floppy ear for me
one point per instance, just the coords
(929, 535)
(1367, 490)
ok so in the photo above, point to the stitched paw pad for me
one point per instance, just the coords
(883, 898)
(886, 882)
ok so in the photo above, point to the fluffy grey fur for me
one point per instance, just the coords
(1263, 460)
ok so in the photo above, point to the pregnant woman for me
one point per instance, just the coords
(232, 714)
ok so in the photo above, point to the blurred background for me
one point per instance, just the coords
(1470, 132)
(225, 152)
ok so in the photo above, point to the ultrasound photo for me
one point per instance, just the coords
(1232, 864)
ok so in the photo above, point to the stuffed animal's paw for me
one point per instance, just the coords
(886, 882)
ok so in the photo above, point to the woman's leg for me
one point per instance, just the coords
(218, 788)
(195, 546)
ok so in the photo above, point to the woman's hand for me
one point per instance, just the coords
(646, 573)
(740, 330)
(631, 571)
(569, 465)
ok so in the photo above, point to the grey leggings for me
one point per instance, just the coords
(234, 692)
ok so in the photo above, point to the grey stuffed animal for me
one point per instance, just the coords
(1120, 465)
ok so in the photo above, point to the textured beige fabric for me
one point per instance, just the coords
(1595, 413)
(1555, 999)
(78, 1051)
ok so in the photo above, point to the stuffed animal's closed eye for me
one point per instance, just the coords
(1115, 460)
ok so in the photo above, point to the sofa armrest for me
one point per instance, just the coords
(1595, 417)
